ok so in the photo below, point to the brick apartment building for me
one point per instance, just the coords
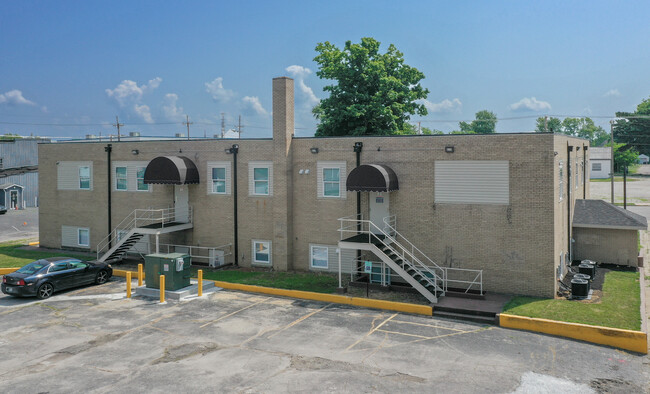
(497, 203)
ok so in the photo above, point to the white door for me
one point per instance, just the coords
(14, 199)
(379, 209)
(181, 204)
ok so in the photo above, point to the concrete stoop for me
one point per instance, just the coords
(191, 290)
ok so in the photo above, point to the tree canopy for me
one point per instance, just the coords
(634, 128)
(624, 156)
(485, 123)
(575, 127)
(374, 93)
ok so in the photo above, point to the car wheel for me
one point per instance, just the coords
(45, 291)
(102, 277)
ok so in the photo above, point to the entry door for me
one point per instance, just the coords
(379, 209)
(181, 204)
(14, 199)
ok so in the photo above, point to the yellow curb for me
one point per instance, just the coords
(635, 341)
(337, 299)
(33, 243)
(4, 271)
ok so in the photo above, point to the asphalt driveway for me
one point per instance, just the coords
(20, 224)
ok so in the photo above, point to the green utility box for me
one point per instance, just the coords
(175, 267)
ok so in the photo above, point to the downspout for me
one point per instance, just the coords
(108, 149)
(358, 146)
(584, 171)
(234, 150)
(569, 149)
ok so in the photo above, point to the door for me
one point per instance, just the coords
(14, 199)
(379, 209)
(181, 204)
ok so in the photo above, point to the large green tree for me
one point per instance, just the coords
(575, 127)
(373, 93)
(485, 123)
(634, 127)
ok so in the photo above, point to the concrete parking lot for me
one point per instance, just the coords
(20, 224)
(94, 340)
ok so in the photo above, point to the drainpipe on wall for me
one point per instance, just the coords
(569, 187)
(358, 146)
(584, 171)
(108, 149)
(234, 150)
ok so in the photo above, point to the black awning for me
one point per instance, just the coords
(372, 178)
(171, 170)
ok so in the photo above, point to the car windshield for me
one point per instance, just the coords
(33, 267)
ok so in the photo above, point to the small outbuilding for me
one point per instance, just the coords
(606, 233)
(643, 159)
(601, 162)
(11, 196)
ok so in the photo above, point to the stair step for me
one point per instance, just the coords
(464, 316)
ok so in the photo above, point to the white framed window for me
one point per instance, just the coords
(219, 180)
(84, 178)
(83, 237)
(561, 179)
(260, 178)
(261, 252)
(330, 175)
(120, 178)
(596, 167)
(319, 256)
(139, 176)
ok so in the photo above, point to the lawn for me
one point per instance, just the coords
(317, 282)
(619, 308)
(616, 179)
(11, 256)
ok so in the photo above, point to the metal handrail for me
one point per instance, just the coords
(227, 249)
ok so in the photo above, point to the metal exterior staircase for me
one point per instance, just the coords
(137, 224)
(406, 260)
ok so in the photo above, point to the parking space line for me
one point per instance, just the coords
(425, 325)
(371, 331)
(403, 333)
(234, 313)
(299, 320)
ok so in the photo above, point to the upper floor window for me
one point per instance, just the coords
(260, 178)
(120, 178)
(219, 180)
(140, 179)
(329, 179)
(84, 178)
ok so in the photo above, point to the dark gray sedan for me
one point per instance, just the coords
(42, 278)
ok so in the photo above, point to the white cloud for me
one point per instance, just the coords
(144, 112)
(612, 93)
(171, 110)
(530, 104)
(217, 91)
(300, 73)
(128, 91)
(14, 97)
(128, 94)
(254, 103)
(445, 106)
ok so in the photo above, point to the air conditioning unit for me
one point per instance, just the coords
(216, 258)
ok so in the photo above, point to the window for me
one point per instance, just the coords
(78, 264)
(262, 252)
(83, 237)
(84, 178)
(59, 267)
(219, 180)
(143, 187)
(261, 181)
(331, 182)
(596, 167)
(561, 177)
(319, 256)
(120, 178)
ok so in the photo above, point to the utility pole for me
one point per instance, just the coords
(611, 135)
(223, 124)
(118, 125)
(239, 128)
(188, 123)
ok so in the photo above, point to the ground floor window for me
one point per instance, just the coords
(261, 252)
(319, 256)
(83, 236)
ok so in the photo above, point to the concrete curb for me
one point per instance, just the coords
(4, 271)
(635, 341)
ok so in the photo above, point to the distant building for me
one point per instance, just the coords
(19, 166)
(601, 162)
(643, 159)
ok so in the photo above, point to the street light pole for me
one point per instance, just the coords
(611, 134)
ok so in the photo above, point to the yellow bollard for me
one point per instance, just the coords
(200, 283)
(128, 285)
(162, 288)
(139, 274)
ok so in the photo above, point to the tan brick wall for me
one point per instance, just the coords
(607, 246)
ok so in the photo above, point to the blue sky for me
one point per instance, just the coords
(67, 68)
